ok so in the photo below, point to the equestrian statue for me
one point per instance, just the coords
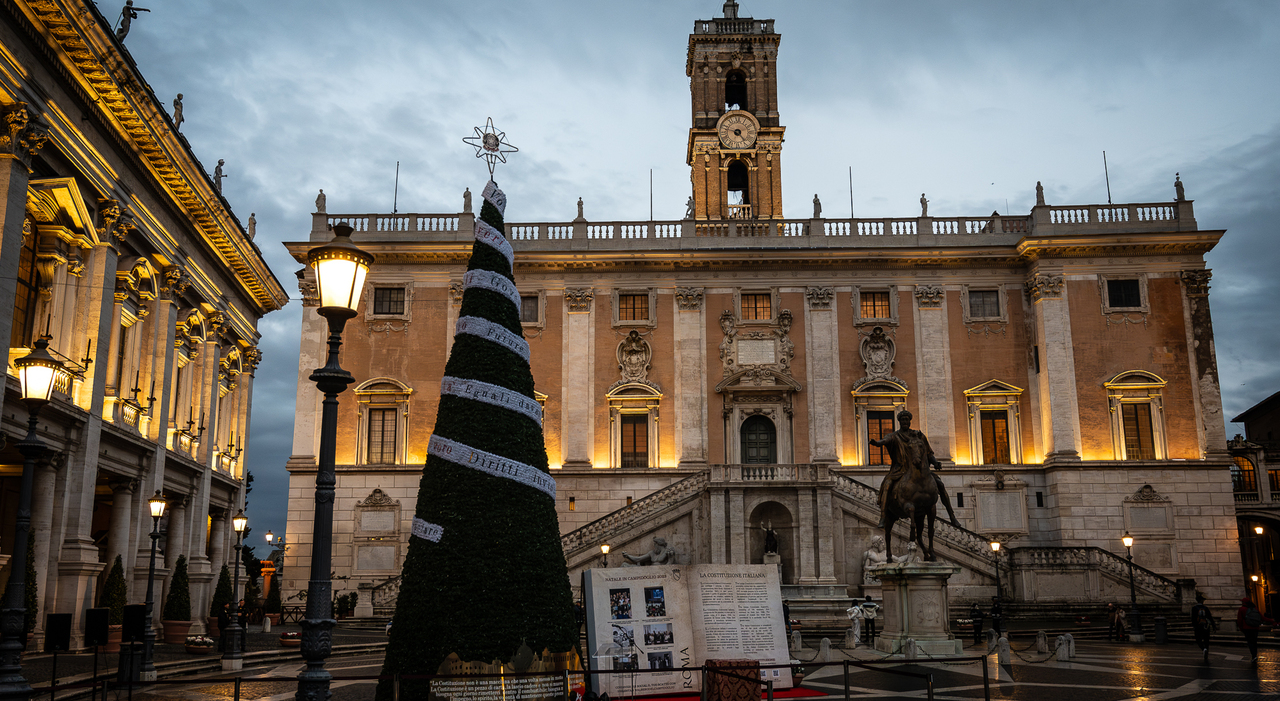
(911, 489)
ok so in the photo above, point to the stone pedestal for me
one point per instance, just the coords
(915, 606)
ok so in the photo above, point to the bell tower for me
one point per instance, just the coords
(735, 141)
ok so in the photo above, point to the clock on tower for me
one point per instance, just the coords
(735, 143)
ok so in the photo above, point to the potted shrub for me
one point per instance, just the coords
(113, 597)
(273, 604)
(221, 597)
(797, 673)
(291, 639)
(200, 644)
(176, 616)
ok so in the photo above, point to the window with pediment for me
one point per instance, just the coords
(1136, 403)
(995, 429)
(384, 421)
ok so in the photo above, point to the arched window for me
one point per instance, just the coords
(738, 188)
(1137, 415)
(28, 295)
(759, 441)
(384, 414)
(735, 91)
(1244, 478)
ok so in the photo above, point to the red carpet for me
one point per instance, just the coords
(798, 693)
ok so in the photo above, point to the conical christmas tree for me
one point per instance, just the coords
(485, 571)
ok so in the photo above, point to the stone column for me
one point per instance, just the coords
(121, 522)
(717, 526)
(1204, 363)
(826, 534)
(804, 519)
(218, 543)
(42, 500)
(176, 543)
(933, 368)
(577, 413)
(25, 137)
(737, 528)
(1059, 408)
(691, 377)
(822, 366)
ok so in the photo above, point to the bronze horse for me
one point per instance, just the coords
(912, 488)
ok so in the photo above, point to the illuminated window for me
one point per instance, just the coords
(382, 436)
(1137, 416)
(635, 440)
(573, 504)
(388, 300)
(995, 437)
(1244, 478)
(875, 305)
(757, 307)
(633, 307)
(994, 423)
(879, 425)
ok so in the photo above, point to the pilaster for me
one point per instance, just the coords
(1203, 360)
(933, 368)
(691, 377)
(822, 359)
(717, 526)
(808, 540)
(1059, 408)
(826, 535)
(577, 417)
(737, 528)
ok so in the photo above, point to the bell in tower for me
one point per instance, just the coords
(735, 143)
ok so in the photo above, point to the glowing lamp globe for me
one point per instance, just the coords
(1257, 529)
(995, 546)
(340, 268)
(157, 504)
(239, 521)
(605, 548)
(270, 536)
(38, 372)
(1128, 540)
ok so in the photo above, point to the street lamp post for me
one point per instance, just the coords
(157, 505)
(1135, 623)
(340, 268)
(998, 612)
(37, 371)
(233, 658)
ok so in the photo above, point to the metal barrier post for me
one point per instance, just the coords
(395, 687)
(770, 686)
(568, 690)
(237, 692)
(930, 683)
(846, 679)
(986, 681)
(703, 695)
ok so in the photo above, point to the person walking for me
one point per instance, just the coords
(870, 610)
(1118, 620)
(1202, 624)
(1249, 620)
(976, 616)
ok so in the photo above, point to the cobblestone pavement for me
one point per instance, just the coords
(1102, 671)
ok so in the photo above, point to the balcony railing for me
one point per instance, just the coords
(1246, 496)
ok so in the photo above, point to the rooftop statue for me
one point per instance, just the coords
(911, 489)
(218, 176)
(177, 112)
(924, 206)
(127, 15)
(320, 202)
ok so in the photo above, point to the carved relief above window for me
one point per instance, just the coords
(877, 350)
(634, 355)
(756, 347)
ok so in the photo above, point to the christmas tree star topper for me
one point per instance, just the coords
(491, 144)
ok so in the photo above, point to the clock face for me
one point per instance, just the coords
(737, 131)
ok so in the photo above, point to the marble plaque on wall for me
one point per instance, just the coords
(376, 557)
(378, 521)
(1000, 511)
(756, 353)
(1149, 517)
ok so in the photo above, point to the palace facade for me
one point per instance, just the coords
(705, 378)
(120, 249)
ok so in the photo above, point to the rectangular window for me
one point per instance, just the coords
(633, 307)
(388, 300)
(382, 436)
(879, 425)
(875, 305)
(635, 440)
(984, 304)
(1040, 499)
(757, 307)
(1123, 293)
(995, 437)
(960, 499)
(1139, 443)
(628, 501)
(1273, 476)
(528, 309)
(573, 505)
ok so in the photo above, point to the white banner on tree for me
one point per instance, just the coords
(492, 394)
(490, 236)
(491, 464)
(477, 326)
(494, 282)
(496, 197)
(427, 531)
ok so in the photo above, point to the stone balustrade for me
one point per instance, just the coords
(601, 529)
(397, 222)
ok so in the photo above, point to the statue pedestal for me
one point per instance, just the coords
(776, 560)
(915, 606)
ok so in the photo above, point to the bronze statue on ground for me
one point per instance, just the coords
(911, 490)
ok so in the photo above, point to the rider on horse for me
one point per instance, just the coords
(907, 447)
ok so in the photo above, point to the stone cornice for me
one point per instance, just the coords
(81, 41)
(1144, 244)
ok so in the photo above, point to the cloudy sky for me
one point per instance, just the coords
(970, 102)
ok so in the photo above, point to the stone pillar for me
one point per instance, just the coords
(1059, 409)
(176, 543)
(933, 368)
(826, 535)
(822, 366)
(691, 377)
(717, 526)
(218, 544)
(121, 522)
(1204, 363)
(805, 518)
(915, 607)
(577, 415)
(25, 137)
(42, 500)
(737, 528)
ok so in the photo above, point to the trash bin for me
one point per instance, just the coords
(1162, 630)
